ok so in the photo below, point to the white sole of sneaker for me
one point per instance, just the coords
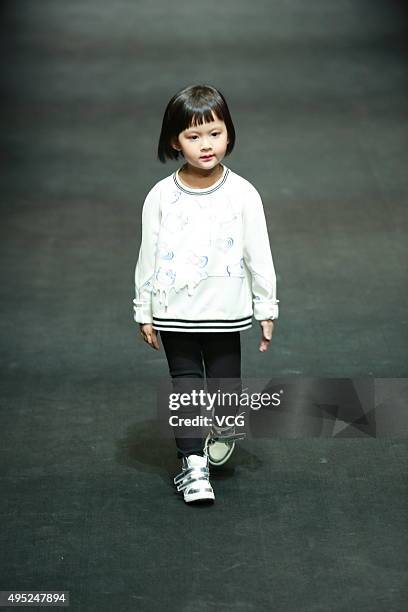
(193, 497)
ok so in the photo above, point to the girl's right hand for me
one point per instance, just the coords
(149, 335)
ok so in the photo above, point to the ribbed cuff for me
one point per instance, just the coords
(142, 311)
(267, 309)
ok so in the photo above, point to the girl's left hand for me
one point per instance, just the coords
(267, 330)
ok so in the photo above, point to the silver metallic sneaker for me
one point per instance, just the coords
(220, 443)
(193, 480)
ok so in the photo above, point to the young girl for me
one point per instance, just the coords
(204, 269)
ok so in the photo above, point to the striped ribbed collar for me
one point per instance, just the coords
(206, 190)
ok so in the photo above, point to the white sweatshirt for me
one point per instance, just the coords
(205, 262)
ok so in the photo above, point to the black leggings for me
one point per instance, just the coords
(187, 353)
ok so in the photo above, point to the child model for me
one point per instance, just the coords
(204, 269)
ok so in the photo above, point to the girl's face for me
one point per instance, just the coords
(200, 141)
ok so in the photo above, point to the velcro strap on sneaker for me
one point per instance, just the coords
(190, 480)
(191, 475)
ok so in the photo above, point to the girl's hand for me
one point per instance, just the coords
(149, 335)
(267, 329)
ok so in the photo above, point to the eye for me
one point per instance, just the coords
(215, 133)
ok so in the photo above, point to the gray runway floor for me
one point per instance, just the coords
(318, 95)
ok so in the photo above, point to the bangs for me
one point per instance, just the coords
(204, 116)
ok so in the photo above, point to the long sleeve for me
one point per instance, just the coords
(258, 258)
(144, 271)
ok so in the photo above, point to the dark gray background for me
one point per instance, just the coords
(318, 94)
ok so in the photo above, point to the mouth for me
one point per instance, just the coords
(206, 157)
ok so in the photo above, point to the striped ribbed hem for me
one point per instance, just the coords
(202, 325)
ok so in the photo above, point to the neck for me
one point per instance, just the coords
(201, 174)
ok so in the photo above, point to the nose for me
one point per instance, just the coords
(205, 145)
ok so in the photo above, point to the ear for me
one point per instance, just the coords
(175, 145)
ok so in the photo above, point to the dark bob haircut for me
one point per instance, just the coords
(192, 106)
